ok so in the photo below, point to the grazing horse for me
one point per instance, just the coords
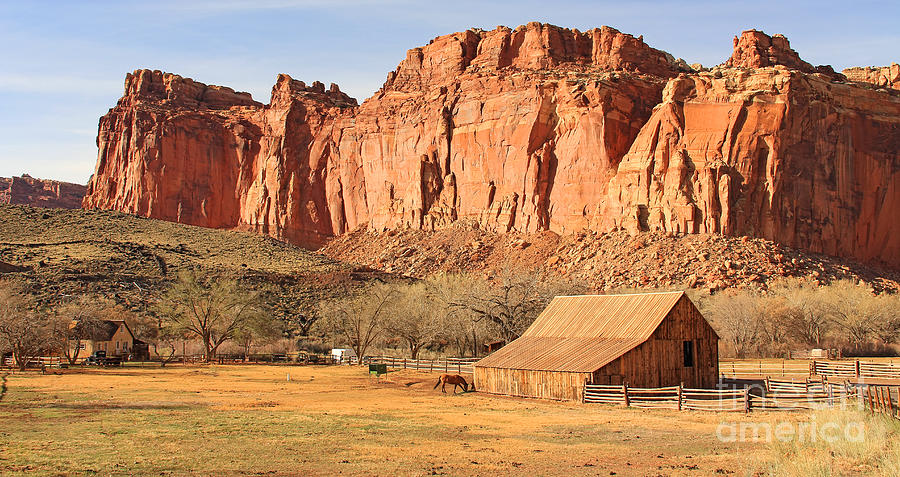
(455, 380)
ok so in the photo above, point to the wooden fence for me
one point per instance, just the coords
(45, 362)
(444, 365)
(883, 399)
(855, 369)
(781, 368)
(778, 395)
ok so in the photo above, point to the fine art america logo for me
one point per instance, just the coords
(808, 431)
(786, 431)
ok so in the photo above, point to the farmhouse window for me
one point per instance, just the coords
(81, 346)
(688, 354)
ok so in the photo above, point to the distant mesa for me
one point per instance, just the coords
(523, 130)
(27, 190)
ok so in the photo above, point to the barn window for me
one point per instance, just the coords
(688, 354)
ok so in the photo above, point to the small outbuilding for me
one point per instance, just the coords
(642, 340)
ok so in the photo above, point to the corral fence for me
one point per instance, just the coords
(441, 365)
(855, 369)
(775, 395)
(883, 400)
(36, 363)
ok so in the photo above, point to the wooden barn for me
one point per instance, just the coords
(642, 340)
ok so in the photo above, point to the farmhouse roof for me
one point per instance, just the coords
(104, 330)
(584, 333)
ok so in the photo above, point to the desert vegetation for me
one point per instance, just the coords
(797, 314)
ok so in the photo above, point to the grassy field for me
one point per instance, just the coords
(231, 420)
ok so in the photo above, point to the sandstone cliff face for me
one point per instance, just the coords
(770, 153)
(536, 128)
(883, 77)
(27, 190)
(476, 125)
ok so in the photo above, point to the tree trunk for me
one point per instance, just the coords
(73, 356)
(209, 350)
(20, 360)
(414, 351)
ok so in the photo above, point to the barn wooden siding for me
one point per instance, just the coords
(558, 385)
(614, 339)
(658, 362)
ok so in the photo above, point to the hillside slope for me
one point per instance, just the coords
(603, 262)
(130, 259)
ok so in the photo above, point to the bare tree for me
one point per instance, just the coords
(511, 302)
(887, 323)
(214, 310)
(359, 319)
(417, 317)
(296, 310)
(463, 327)
(804, 315)
(258, 330)
(854, 310)
(737, 319)
(26, 331)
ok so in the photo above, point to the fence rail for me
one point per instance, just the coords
(763, 368)
(43, 362)
(776, 396)
(855, 369)
(445, 365)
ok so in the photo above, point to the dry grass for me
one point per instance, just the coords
(231, 420)
(874, 450)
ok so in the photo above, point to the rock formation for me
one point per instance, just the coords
(27, 190)
(883, 77)
(531, 129)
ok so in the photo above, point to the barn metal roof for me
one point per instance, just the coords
(584, 333)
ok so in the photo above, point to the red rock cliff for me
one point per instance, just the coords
(536, 128)
(27, 190)
(883, 77)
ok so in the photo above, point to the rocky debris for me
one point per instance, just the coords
(882, 77)
(538, 128)
(603, 261)
(27, 190)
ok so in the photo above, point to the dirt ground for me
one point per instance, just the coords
(265, 420)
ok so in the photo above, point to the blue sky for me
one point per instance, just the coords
(63, 63)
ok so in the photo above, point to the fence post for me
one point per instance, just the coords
(890, 402)
(812, 368)
(746, 400)
(769, 386)
(625, 394)
(857, 369)
(680, 394)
